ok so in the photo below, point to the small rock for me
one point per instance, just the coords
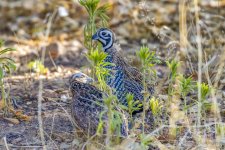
(11, 125)
(144, 41)
(63, 11)
(64, 146)
(29, 103)
(64, 98)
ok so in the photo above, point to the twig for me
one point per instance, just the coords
(39, 114)
(17, 146)
(199, 46)
(41, 83)
(53, 120)
(53, 62)
(183, 27)
(6, 145)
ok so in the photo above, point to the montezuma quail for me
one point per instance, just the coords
(88, 104)
(124, 78)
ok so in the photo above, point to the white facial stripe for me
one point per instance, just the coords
(102, 40)
(108, 45)
(103, 36)
(110, 42)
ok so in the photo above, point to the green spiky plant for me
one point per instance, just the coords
(173, 95)
(7, 65)
(114, 117)
(114, 121)
(156, 109)
(131, 105)
(173, 66)
(148, 60)
(98, 65)
(205, 105)
(95, 12)
(186, 85)
(155, 106)
(38, 67)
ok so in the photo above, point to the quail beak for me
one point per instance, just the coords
(89, 80)
(95, 37)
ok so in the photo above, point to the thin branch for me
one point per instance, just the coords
(199, 46)
(41, 83)
(6, 145)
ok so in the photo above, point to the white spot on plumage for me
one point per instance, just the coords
(103, 41)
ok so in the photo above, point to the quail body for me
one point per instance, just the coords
(88, 104)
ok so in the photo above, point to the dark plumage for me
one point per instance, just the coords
(87, 104)
(123, 78)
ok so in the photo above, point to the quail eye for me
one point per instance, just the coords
(103, 33)
(73, 85)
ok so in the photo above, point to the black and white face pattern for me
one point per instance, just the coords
(105, 37)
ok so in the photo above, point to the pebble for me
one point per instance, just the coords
(64, 146)
(64, 98)
(29, 103)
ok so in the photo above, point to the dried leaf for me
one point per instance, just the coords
(12, 120)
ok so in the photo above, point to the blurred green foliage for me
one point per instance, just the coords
(7, 65)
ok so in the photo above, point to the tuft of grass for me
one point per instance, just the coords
(155, 106)
(38, 67)
(7, 65)
(132, 105)
(173, 66)
(114, 122)
(186, 85)
(203, 103)
(95, 12)
(99, 70)
(148, 61)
